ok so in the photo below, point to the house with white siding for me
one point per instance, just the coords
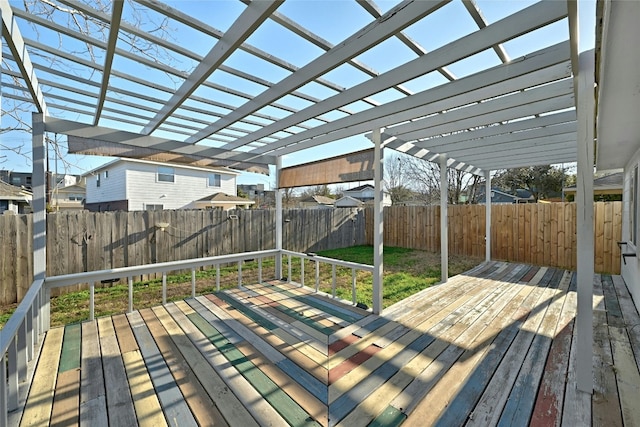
(135, 185)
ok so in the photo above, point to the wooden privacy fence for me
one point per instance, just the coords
(540, 233)
(87, 241)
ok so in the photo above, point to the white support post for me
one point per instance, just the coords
(584, 202)
(39, 184)
(279, 219)
(378, 226)
(487, 222)
(444, 228)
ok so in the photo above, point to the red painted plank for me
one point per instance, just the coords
(353, 362)
(342, 343)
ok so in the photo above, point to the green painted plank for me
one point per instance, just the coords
(388, 418)
(70, 355)
(281, 402)
(265, 323)
(304, 319)
(326, 306)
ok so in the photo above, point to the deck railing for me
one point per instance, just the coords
(354, 266)
(21, 337)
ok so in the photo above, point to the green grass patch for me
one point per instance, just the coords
(406, 271)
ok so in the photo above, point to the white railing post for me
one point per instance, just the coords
(130, 282)
(301, 271)
(193, 283)
(3, 394)
(12, 354)
(92, 301)
(333, 280)
(164, 288)
(260, 270)
(239, 274)
(289, 268)
(353, 286)
(317, 276)
(218, 277)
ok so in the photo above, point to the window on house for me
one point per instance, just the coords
(106, 174)
(28, 180)
(150, 207)
(15, 180)
(98, 180)
(166, 174)
(76, 197)
(214, 180)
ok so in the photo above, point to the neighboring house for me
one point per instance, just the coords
(607, 185)
(256, 192)
(67, 198)
(348, 202)
(17, 179)
(499, 196)
(316, 202)
(135, 185)
(14, 199)
(222, 201)
(365, 193)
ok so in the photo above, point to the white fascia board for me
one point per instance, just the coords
(398, 18)
(520, 148)
(82, 130)
(248, 21)
(560, 156)
(114, 29)
(548, 65)
(506, 29)
(523, 137)
(15, 42)
(501, 129)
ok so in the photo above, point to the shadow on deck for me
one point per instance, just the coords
(494, 346)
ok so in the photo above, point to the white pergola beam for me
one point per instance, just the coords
(513, 26)
(548, 65)
(114, 30)
(16, 44)
(80, 130)
(508, 128)
(398, 18)
(248, 21)
(427, 127)
(556, 157)
(508, 141)
(477, 16)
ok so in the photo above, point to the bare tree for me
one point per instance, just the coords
(16, 112)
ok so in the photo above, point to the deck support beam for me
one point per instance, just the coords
(487, 221)
(444, 226)
(378, 225)
(584, 201)
(279, 218)
(39, 186)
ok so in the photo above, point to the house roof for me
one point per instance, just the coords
(226, 198)
(486, 93)
(11, 192)
(360, 188)
(353, 200)
(148, 162)
(608, 183)
(321, 200)
(72, 188)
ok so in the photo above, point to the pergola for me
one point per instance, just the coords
(533, 109)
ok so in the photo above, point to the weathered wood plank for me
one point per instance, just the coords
(93, 404)
(119, 402)
(145, 400)
(627, 375)
(202, 407)
(227, 402)
(66, 403)
(39, 403)
(173, 404)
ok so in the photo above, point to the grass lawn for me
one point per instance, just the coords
(406, 271)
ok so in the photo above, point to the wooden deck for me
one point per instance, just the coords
(492, 347)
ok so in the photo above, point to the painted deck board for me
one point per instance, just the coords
(489, 347)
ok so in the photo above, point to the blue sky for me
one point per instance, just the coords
(333, 20)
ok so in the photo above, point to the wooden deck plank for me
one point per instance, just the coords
(228, 403)
(260, 410)
(126, 340)
(66, 403)
(39, 403)
(174, 406)
(630, 313)
(308, 401)
(627, 375)
(119, 402)
(202, 407)
(475, 343)
(288, 409)
(605, 401)
(93, 403)
(145, 400)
